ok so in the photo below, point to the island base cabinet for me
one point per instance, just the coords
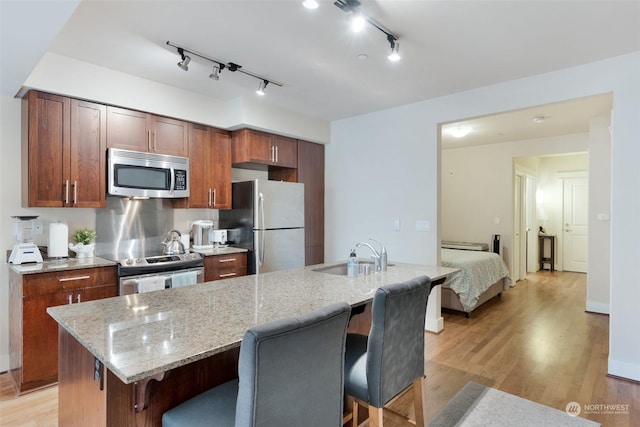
(82, 402)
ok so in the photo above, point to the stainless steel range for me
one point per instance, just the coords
(132, 232)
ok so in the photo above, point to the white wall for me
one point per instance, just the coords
(385, 165)
(598, 283)
(477, 187)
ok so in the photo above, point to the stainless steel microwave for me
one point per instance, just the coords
(138, 174)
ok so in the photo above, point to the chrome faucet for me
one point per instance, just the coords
(374, 255)
(382, 254)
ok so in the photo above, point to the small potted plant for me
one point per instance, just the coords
(84, 245)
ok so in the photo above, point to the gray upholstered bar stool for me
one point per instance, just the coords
(290, 374)
(379, 367)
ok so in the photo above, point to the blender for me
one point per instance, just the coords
(24, 250)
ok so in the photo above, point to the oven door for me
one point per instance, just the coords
(158, 281)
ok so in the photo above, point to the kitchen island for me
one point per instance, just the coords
(126, 360)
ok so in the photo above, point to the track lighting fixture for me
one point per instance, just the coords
(261, 87)
(218, 66)
(395, 49)
(184, 64)
(215, 73)
(358, 19)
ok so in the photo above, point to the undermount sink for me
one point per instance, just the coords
(341, 269)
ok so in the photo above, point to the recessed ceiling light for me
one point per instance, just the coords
(362, 57)
(310, 4)
(459, 131)
(538, 119)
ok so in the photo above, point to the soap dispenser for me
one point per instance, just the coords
(352, 264)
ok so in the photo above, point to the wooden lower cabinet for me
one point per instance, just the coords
(218, 267)
(33, 334)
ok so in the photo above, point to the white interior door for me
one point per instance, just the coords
(517, 228)
(575, 230)
(531, 228)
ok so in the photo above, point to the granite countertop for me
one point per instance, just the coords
(50, 266)
(140, 335)
(219, 251)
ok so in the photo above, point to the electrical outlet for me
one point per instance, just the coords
(37, 227)
(423, 225)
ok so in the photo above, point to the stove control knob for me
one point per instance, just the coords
(128, 261)
(138, 260)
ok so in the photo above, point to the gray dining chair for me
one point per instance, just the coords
(391, 359)
(290, 374)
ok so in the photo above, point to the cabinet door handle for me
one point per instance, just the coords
(273, 155)
(66, 192)
(70, 279)
(78, 299)
(75, 192)
(149, 139)
(155, 145)
(214, 197)
(227, 275)
(69, 299)
(226, 260)
(209, 197)
(276, 154)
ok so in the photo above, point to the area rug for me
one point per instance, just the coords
(476, 405)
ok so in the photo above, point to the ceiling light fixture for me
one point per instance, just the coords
(215, 73)
(459, 131)
(538, 119)
(310, 4)
(358, 19)
(261, 87)
(184, 64)
(218, 66)
(395, 49)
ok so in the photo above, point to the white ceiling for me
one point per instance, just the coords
(447, 46)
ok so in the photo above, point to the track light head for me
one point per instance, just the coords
(357, 21)
(310, 4)
(261, 87)
(395, 49)
(184, 64)
(215, 73)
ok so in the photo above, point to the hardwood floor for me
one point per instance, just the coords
(536, 342)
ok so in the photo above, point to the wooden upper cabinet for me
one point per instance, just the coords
(88, 154)
(169, 136)
(252, 146)
(209, 169)
(138, 131)
(65, 144)
(221, 169)
(286, 151)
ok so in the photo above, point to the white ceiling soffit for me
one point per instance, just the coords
(561, 118)
(446, 46)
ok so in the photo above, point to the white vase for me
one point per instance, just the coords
(82, 250)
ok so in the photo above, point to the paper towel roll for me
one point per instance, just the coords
(58, 240)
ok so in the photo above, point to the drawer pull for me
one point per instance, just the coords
(227, 260)
(70, 279)
(227, 275)
(69, 299)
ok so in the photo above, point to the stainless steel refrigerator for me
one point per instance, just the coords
(267, 219)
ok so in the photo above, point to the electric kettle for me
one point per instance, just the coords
(200, 234)
(173, 245)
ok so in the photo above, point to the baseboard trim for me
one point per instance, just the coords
(597, 307)
(630, 371)
(4, 362)
(434, 325)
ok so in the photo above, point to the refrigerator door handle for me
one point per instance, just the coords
(262, 233)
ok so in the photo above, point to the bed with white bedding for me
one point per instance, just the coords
(481, 276)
